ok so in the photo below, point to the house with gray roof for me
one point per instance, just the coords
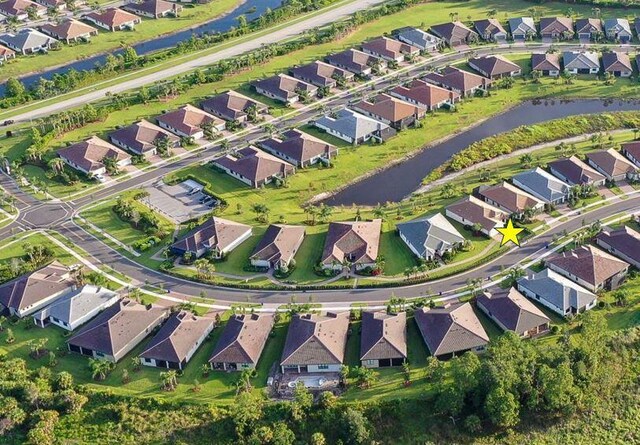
(542, 185)
(278, 246)
(353, 127)
(383, 339)
(418, 38)
(617, 63)
(618, 29)
(315, 343)
(511, 311)
(522, 28)
(490, 30)
(557, 293)
(575, 172)
(623, 243)
(612, 165)
(589, 29)
(548, 64)
(242, 341)
(299, 148)
(216, 236)
(177, 341)
(581, 62)
(451, 330)
(28, 41)
(431, 237)
(455, 33)
(76, 308)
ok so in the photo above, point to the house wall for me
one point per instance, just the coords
(313, 368)
(631, 158)
(532, 295)
(237, 242)
(236, 175)
(29, 310)
(197, 135)
(231, 366)
(467, 222)
(97, 171)
(138, 338)
(291, 100)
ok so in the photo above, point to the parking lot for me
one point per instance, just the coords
(180, 202)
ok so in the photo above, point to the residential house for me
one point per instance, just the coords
(358, 62)
(117, 330)
(383, 339)
(69, 30)
(315, 343)
(233, 106)
(430, 238)
(32, 291)
(355, 128)
(189, 121)
(636, 25)
(88, 156)
(254, 167)
(392, 111)
(177, 341)
(390, 50)
(451, 330)
(113, 19)
(354, 242)
(522, 28)
(216, 236)
(511, 311)
(589, 29)
(142, 138)
(548, 64)
(618, 29)
(581, 62)
(284, 88)
(278, 246)
(455, 33)
(495, 66)
(617, 63)
(6, 54)
(241, 342)
(321, 74)
(474, 212)
(632, 151)
(561, 295)
(542, 185)
(418, 38)
(77, 307)
(425, 95)
(58, 5)
(590, 267)
(28, 41)
(154, 9)
(299, 148)
(19, 9)
(612, 165)
(575, 172)
(462, 82)
(560, 28)
(490, 30)
(511, 199)
(623, 243)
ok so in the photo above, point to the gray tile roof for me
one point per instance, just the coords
(580, 60)
(522, 25)
(557, 290)
(26, 39)
(617, 25)
(352, 124)
(420, 38)
(542, 184)
(315, 339)
(383, 336)
(243, 339)
(432, 235)
(512, 310)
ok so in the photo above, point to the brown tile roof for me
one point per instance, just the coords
(279, 243)
(633, 148)
(177, 337)
(616, 61)
(33, 287)
(320, 73)
(512, 309)
(214, 233)
(450, 329)
(588, 25)
(452, 77)
(624, 240)
(424, 93)
(588, 263)
(243, 339)
(389, 48)
(489, 27)
(389, 108)
(188, 119)
(546, 62)
(284, 86)
(6, 52)
(299, 146)
(452, 31)
(17, 7)
(556, 25)
(89, 154)
(494, 65)
(353, 60)
(232, 105)
(142, 135)
(359, 240)
(68, 30)
(152, 7)
(383, 336)
(477, 211)
(316, 339)
(509, 197)
(576, 171)
(255, 165)
(113, 17)
(611, 162)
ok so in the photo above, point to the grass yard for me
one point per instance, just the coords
(14, 247)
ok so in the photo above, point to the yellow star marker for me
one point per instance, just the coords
(509, 233)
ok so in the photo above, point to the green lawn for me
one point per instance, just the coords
(14, 247)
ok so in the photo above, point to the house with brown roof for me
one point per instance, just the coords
(473, 212)
(233, 106)
(617, 63)
(69, 30)
(451, 330)
(548, 64)
(511, 199)
(142, 138)
(590, 267)
(278, 246)
(358, 62)
(321, 74)
(390, 50)
(460, 81)
(32, 291)
(284, 88)
(612, 165)
(189, 121)
(154, 9)
(356, 242)
(6, 54)
(511, 311)
(299, 148)
(623, 243)
(88, 156)
(589, 29)
(58, 5)
(392, 111)
(113, 19)
(241, 342)
(560, 28)
(216, 236)
(425, 95)
(383, 339)
(315, 343)
(632, 152)
(177, 341)
(575, 172)
(254, 167)
(495, 66)
(117, 330)
(455, 33)
(19, 9)
(490, 30)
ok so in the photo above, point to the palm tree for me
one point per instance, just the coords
(169, 380)
(2, 320)
(378, 212)
(100, 369)
(514, 274)
(201, 266)
(56, 164)
(324, 212)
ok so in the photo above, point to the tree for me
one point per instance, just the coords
(354, 427)
(100, 369)
(14, 89)
(302, 402)
(324, 212)
(246, 411)
(365, 377)
(621, 298)
(169, 380)
(63, 381)
(318, 439)
(11, 414)
(243, 384)
(502, 408)
(514, 274)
